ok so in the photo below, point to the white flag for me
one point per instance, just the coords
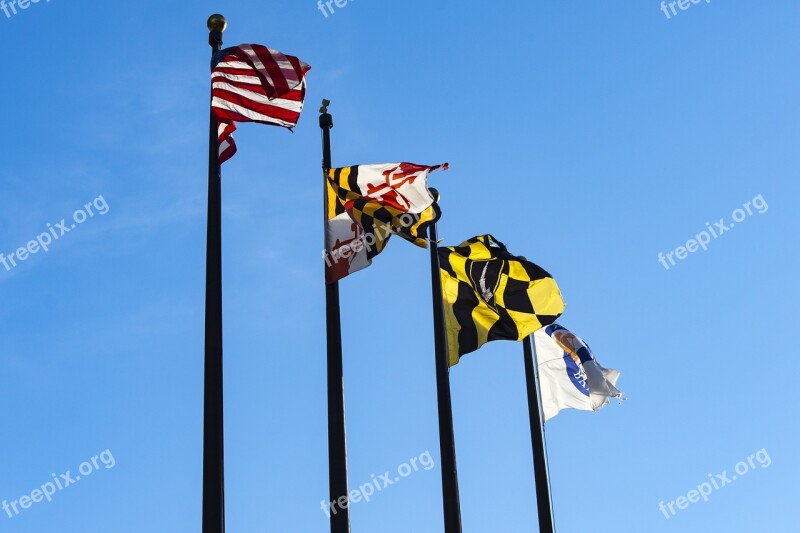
(569, 376)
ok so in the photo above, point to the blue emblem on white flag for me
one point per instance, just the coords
(569, 375)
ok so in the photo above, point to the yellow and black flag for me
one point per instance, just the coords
(490, 294)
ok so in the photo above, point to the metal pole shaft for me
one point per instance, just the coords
(540, 473)
(337, 438)
(213, 427)
(447, 445)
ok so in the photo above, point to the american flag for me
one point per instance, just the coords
(253, 83)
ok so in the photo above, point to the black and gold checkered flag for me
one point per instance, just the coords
(491, 295)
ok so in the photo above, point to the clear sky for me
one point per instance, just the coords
(587, 136)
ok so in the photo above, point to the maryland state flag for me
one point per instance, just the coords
(491, 295)
(366, 204)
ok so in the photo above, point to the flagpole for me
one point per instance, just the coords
(213, 427)
(337, 437)
(447, 444)
(540, 470)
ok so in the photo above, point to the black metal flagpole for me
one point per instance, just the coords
(213, 427)
(540, 471)
(337, 438)
(447, 443)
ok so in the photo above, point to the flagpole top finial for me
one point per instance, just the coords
(217, 22)
(325, 118)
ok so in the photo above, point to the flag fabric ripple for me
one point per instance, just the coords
(569, 375)
(253, 83)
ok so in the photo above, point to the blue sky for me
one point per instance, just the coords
(588, 137)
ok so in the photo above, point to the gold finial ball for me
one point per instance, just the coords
(217, 22)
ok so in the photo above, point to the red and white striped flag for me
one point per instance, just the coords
(226, 145)
(253, 83)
